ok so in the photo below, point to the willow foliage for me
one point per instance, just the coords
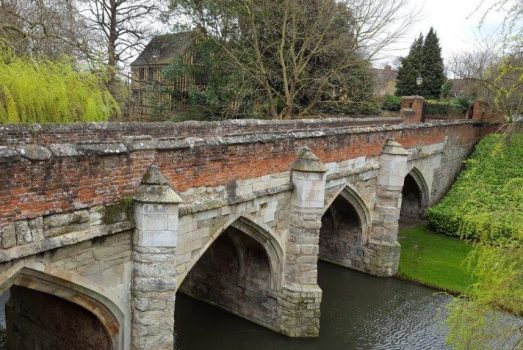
(486, 203)
(481, 321)
(42, 91)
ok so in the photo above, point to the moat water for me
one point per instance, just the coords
(358, 312)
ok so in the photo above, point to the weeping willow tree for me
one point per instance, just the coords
(482, 321)
(486, 204)
(41, 91)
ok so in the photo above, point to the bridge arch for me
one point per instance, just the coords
(108, 314)
(415, 195)
(346, 224)
(239, 270)
(247, 225)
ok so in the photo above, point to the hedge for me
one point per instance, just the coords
(487, 198)
(455, 105)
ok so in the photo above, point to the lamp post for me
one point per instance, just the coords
(419, 81)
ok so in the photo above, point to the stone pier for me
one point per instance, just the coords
(154, 263)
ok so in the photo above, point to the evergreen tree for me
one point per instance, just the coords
(424, 59)
(411, 67)
(434, 72)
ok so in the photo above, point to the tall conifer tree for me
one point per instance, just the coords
(411, 67)
(424, 59)
(434, 71)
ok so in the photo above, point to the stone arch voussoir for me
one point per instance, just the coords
(419, 179)
(76, 292)
(261, 234)
(351, 195)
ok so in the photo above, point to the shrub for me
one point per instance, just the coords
(391, 103)
(435, 107)
(487, 199)
(454, 105)
(38, 91)
(459, 104)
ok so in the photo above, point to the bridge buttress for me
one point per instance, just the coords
(301, 293)
(154, 266)
(383, 251)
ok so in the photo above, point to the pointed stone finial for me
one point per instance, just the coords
(308, 162)
(394, 148)
(153, 176)
(156, 189)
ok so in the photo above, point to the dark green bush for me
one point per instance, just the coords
(391, 103)
(435, 107)
(454, 105)
(459, 104)
(487, 198)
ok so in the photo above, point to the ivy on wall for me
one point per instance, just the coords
(487, 199)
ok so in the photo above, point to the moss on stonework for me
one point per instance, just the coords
(119, 211)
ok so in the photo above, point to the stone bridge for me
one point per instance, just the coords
(102, 225)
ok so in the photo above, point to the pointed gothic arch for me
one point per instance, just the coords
(415, 195)
(258, 232)
(419, 178)
(102, 308)
(352, 197)
(346, 225)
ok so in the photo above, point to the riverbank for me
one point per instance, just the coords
(434, 260)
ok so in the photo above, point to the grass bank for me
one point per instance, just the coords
(434, 259)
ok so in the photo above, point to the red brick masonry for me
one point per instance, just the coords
(45, 173)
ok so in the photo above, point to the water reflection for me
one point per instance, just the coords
(358, 312)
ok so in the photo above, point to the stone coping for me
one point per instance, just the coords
(212, 125)
(146, 142)
(109, 132)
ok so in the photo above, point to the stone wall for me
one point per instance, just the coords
(96, 270)
(103, 261)
(457, 150)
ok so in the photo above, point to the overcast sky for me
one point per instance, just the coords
(456, 23)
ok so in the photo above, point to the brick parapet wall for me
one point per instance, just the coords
(112, 132)
(38, 181)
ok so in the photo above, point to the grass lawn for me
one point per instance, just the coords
(434, 259)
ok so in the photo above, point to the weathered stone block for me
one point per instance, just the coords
(23, 233)
(8, 236)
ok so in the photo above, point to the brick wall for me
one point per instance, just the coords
(39, 181)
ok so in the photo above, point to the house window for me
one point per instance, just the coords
(201, 77)
(138, 97)
(142, 74)
(150, 74)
